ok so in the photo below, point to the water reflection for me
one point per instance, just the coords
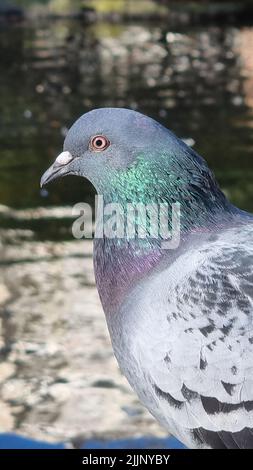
(197, 82)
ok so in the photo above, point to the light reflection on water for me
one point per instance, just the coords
(197, 81)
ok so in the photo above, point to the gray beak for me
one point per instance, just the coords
(59, 168)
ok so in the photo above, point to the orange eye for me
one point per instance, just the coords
(98, 143)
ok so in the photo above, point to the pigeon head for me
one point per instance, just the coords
(129, 157)
(106, 143)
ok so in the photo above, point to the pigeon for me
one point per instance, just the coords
(180, 319)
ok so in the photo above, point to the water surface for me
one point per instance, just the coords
(195, 80)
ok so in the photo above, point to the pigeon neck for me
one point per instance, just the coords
(150, 181)
(120, 265)
(120, 262)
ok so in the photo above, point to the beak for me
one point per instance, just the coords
(59, 168)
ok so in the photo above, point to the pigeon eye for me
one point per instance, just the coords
(98, 143)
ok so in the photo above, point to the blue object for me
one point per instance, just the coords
(135, 443)
(12, 441)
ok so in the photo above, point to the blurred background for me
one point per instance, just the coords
(187, 64)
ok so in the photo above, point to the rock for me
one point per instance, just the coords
(6, 418)
(6, 370)
(4, 294)
(4, 209)
(104, 383)
(60, 392)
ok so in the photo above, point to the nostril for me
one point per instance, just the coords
(63, 159)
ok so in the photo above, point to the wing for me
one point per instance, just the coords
(203, 377)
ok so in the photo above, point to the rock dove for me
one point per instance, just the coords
(180, 320)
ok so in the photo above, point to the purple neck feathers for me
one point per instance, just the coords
(120, 267)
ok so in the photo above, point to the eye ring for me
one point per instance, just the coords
(98, 143)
